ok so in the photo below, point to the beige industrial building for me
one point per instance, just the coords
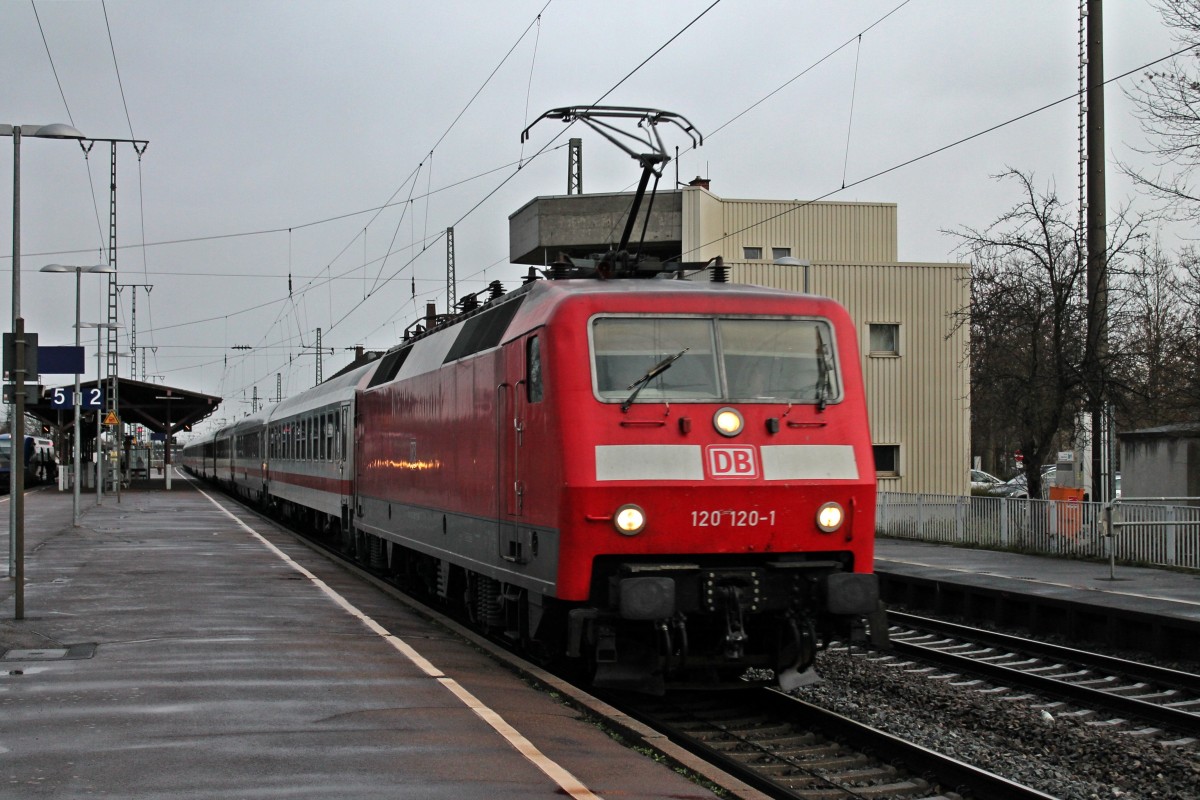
(914, 357)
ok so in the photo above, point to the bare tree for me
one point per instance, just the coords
(1168, 105)
(1028, 327)
(1152, 332)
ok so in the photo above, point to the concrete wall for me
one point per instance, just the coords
(584, 224)
(1164, 464)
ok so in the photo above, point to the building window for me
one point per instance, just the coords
(752, 253)
(780, 252)
(887, 460)
(884, 339)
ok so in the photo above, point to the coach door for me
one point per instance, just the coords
(510, 429)
(342, 454)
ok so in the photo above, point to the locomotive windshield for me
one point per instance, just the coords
(723, 359)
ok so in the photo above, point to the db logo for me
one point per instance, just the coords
(731, 462)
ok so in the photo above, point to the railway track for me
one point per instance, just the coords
(788, 748)
(1107, 690)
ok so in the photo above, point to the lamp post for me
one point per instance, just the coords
(167, 440)
(16, 525)
(99, 326)
(76, 399)
(119, 438)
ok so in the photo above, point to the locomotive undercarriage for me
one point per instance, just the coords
(658, 625)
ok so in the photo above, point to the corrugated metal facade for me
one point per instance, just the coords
(918, 400)
(851, 233)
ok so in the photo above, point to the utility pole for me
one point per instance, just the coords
(1097, 256)
(575, 166)
(111, 400)
(133, 321)
(451, 281)
(319, 359)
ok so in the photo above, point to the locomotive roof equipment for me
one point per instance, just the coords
(617, 263)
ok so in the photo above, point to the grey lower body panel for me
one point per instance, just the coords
(522, 555)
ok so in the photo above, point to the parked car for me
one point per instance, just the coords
(983, 482)
(1018, 486)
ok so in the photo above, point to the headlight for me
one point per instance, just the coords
(629, 519)
(830, 517)
(728, 421)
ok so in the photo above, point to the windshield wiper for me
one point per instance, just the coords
(652, 373)
(823, 373)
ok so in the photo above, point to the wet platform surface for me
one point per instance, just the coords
(175, 646)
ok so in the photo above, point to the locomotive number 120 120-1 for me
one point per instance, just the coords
(736, 518)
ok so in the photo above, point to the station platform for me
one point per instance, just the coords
(175, 645)
(1134, 608)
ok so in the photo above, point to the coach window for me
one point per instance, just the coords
(533, 358)
(315, 435)
(335, 432)
(330, 440)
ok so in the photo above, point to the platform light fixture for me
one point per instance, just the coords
(16, 561)
(77, 398)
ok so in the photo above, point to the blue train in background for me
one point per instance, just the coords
(41, 466)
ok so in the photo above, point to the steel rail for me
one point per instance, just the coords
(778, 707)
(1174, 718)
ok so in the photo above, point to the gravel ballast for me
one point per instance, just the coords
(1063, 756)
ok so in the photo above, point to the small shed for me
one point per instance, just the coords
(1161, 462)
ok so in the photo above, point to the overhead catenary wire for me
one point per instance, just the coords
(936, 151)
(545, 148)
(71, 117)
(850, 121)
(327, 274)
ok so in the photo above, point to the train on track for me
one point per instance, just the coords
(41, 465)
(666, 480)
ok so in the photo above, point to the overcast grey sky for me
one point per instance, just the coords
(311, 116)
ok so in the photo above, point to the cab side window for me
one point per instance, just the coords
(533, 361)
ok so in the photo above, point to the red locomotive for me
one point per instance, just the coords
(669, 481)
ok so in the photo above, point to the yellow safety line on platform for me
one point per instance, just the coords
(566, 781)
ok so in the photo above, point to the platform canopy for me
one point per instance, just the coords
(162, 409)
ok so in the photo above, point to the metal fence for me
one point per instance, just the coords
(1047, 527)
